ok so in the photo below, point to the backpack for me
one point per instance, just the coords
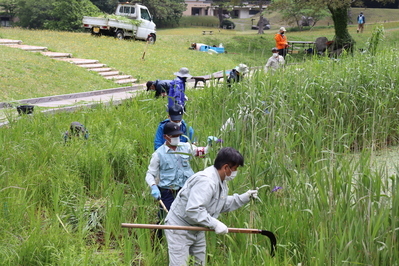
(176, 93)
(360, 20)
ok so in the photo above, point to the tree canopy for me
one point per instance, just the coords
(53, 14)
(166, 11)
(339, 12)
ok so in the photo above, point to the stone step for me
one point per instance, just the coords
(91, 66)
(125, 81)
(100, 69)
(79, 61)
(56, 55)
(29, 48)
(109, 73)
(119, 77)
(8, 41)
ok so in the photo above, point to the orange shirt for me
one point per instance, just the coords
(281, 41)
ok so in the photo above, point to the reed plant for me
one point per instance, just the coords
(309, 129)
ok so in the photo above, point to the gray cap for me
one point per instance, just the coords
(183, 72)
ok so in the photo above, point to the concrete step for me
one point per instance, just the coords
(57, 55)
(79, 61)
(125, 81)
(91, 66)
(109, 73)
(119, 77)
(100, 69)
(29, 48)
(8, 41)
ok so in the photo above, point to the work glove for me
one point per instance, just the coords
(220, 228)
(155, 192)
(211, 139)
(253, 194)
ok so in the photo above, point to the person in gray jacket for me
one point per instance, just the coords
(203, 197)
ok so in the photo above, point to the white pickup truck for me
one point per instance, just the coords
(141, 28)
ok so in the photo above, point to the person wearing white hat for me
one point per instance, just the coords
(281, 42)
(178, 87)
(237, 73)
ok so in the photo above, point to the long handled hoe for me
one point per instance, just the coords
(269, 234)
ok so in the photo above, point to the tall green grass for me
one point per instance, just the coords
(62, 204)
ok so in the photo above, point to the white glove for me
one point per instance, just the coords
(252, 194)
(220, 228)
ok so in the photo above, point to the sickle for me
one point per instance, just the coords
(269, 234)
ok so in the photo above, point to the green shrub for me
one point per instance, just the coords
(227, 24)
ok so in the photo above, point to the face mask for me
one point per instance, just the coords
(231, 176)
(178, 123)
(275, 54)
(174, 141)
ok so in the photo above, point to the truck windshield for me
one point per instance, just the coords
(127, 10)
(145, 14)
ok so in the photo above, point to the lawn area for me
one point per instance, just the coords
(46, 77)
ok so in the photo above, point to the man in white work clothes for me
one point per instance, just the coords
(275, 61)
(199, 203)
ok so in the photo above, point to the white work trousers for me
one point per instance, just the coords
(182, 243)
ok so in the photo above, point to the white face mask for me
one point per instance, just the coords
(231, 176)
(174, 141)
(275, 54)
(178, 123)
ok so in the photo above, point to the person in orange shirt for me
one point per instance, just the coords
(281, 42)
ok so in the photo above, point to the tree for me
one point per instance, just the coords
(299, 11)
(106, 6)
(224, 5)
(54, 14)
(166, 11)
(8, 7)
(262, 20)
(339, 12)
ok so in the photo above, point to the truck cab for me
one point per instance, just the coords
(139, 12)
(143, 27)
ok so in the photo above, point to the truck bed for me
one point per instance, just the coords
(107, 22)
(93, 21)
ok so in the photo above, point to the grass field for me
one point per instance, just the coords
(46, 77)
(62, 204)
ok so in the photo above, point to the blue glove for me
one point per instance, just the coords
(210, 139)
(155, 192)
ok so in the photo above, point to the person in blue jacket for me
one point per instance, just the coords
(177, 88)
(175, 115)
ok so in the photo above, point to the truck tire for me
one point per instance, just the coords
(151, 38)
(95, 32)
(119, 34)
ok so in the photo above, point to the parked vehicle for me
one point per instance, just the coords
(138, 25)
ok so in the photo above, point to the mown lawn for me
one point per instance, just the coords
(47, 77)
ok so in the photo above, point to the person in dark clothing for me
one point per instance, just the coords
(76, 131)
(161, 87)
(237, 74)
